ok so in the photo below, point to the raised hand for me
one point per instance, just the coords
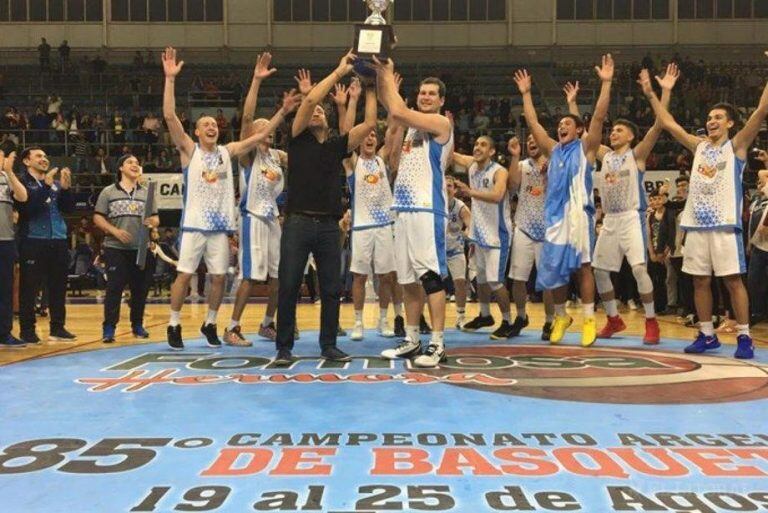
(398, 81)
(571, 91)
(291, 100)
(262, 69)
(339, 94)
(523, 80)
(387, 66)
(513, 147)
(762, 156)
(449, 115)
(355, 89)
(66, 178)
(304, 81)
(9, 161)
(50, 176)
(644, 79)
(170, 66)
(346, 64)
(605, 70)
(670, 77)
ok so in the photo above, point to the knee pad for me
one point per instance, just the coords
(644, 283)
(603, 281)
(432, 282)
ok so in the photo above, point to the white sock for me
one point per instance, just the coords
(211, 317)
(175, 318)
(743, 329)
(505, 316)
(437, 338)
(358, 316)
(398, 308)
(610, 308)
(650, 311)
(268, 319)
(233, 324)
(588, 309)
(485, 309)
(383, 314)
(560, 310)
(707, 328)
(412, 333)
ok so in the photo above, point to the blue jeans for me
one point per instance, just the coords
(303, 235)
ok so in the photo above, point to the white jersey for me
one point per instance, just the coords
(529, 216)
(209, 192)
(420, 182)
(620, 183)
(491, 222)
(260, 185)
(454, 243)
(715, 196)
(371, 195)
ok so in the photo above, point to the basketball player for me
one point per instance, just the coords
(208, 215)
(529, 179)
(459, 221)
(569, 205)
(422, 208)
(490, 232)
(712, 215)
(261, 182)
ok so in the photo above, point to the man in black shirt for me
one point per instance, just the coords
(313, 210)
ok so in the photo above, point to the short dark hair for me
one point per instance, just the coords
(441, 89)
(681, 179)
(27, 151)
(729, 109)
(632, 126)
(576, 119)
(655, 193)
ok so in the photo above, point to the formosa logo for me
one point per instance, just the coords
(602, 375)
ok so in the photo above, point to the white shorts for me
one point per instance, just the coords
(213, 247)
(457, 266)
(491, 264)
(375, 245)
(259, 254)
(420, 243)
(525, 252)
(622, 235)
(718, 251)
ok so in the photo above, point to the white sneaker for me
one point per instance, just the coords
(357, 331)
(384, 329)
(405, 349)
(431, 357)
(460, 320)
(632, 305)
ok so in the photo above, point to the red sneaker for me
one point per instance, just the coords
(613, 326)
(651, 337)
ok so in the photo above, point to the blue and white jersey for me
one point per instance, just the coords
(620, 183)
(209, 192)
(260, 185)
(420, 183)
(454, 242)
(529, 216)
(491, 222)
(371, 195)
(715, 196)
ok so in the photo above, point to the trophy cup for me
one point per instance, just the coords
(374, 37)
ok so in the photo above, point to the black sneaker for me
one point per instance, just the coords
(481, 321)
(340, 332)
(174, 338)
(517, 326)
(502, 332)
(209, 330)
(61, 335)
(12, 341)
(29, 337)
(399, 326)
(424, 328)
(335, 354)
(284, 357)
(546, 331)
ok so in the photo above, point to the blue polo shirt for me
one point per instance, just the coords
(41, 216)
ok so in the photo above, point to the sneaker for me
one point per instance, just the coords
(405, 349)
(517, 326)
(546, 331)
(61, 335)
(481, 321)
(269, 332)
(652, 334)
(41, 312)
(562, 322)
(703, 343)
(12, 341)
(357, 332)
(108, 334)
(424, 328)
(284, 358)
(233, 337)
(174, 338)
(432, 357)
(384, 329)
(631, 304)
(461, 320)
(29, 337)
(690, 321)
(209, 331)
(612, 326)
(139, 331)
(399, 326)
(745, 349)
(335, 354)
(502, 332)
(588, 332)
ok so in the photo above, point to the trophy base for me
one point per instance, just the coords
(373, 41)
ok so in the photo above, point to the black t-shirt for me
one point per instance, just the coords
(314, 169)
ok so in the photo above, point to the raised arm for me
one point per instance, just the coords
(358, 133)
(746, 135)
(595, 134)
(523, 81)
(515, 175)
(339, 96)
(462, 160)
(353, 92)
(181, 140)
(260, 73)
(644, 147)
(571, 91)
(238, 148)
(318, 93)
(668, 122)
(393, 137)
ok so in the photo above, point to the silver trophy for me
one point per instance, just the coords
(378, 7)
(374, 37)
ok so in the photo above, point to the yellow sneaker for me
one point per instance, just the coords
(558, 328)
(588, 332)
